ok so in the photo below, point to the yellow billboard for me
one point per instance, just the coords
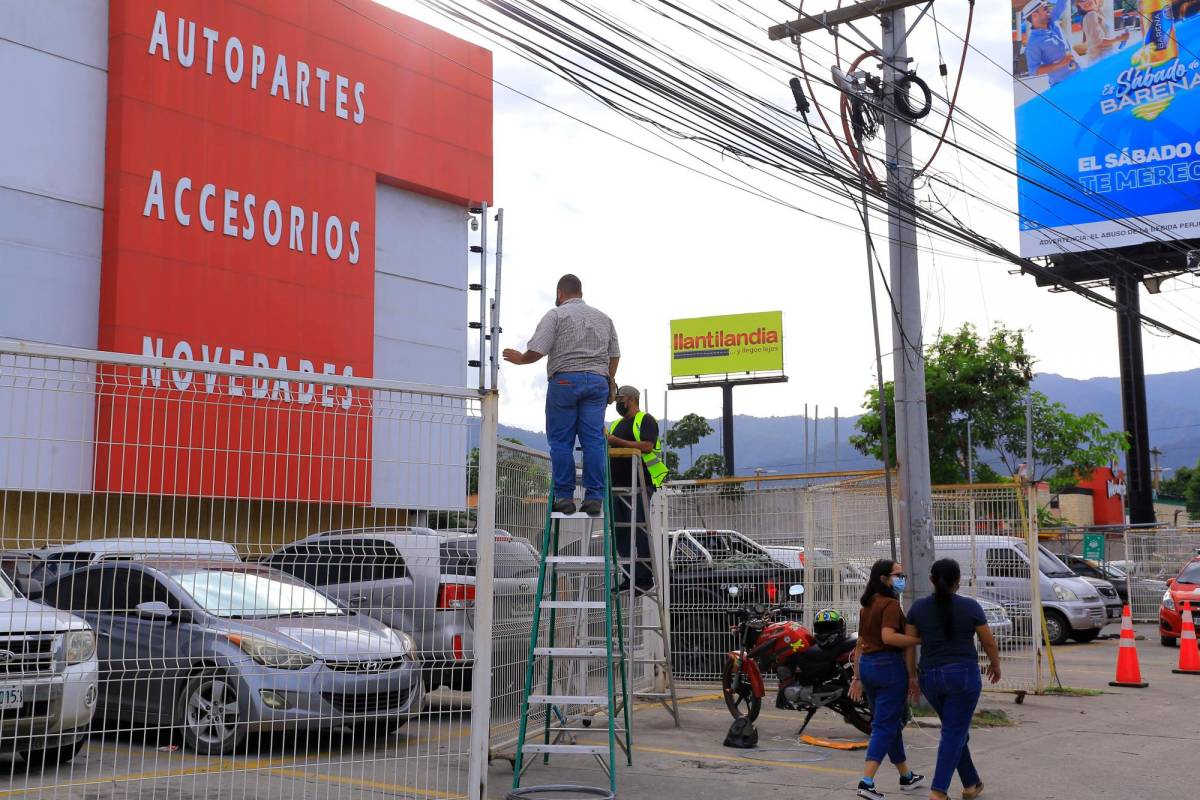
(736, 343)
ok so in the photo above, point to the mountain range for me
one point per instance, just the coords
(776, 444)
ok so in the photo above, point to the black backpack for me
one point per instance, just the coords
(742, 734)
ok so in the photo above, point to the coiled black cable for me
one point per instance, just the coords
(902, 97)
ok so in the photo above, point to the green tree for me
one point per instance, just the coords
(1065, 446)
(671, 459)
(1175, 487)
(709, 465)
(688, 432)
(1192, 494)
(967, 377)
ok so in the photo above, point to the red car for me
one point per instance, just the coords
(1185, 587)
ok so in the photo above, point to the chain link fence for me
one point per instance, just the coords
(222, 581)
(732, 543)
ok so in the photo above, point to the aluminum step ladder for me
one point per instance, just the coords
(641, 653)
(575, 574)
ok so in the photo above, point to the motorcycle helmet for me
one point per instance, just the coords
(829, 628)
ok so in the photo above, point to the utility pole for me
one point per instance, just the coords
(912, 424)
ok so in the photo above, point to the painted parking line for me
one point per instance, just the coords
(366, 783)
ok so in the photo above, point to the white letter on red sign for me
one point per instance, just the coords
(185, 49)
(258, 64)
(152, 348)
(323, 77)
(281, 78)
(259, 386)
(235, 360)
(158, 36)
(333, 225)
(227, 225)
(232, 46)
(248, 210)
(183, 185)
(353, 242)
(272, 223)
(207, 192)
(304, 391)
(212, 37)
(359, 112)
(154, 198)
(296, 229)
(340, 97)
(183, 380)
(302, 80)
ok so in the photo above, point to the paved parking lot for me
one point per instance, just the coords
(1121, 744)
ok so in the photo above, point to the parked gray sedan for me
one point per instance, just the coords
(219, 650)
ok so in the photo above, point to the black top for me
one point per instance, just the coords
(619, 467)
(936, 649)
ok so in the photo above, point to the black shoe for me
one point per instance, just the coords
(592, 508)
(563, 507)
(913, 781)
(867, 791)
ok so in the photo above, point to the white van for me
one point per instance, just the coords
(998, 569)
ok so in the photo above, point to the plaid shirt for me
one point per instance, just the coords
(576, 338)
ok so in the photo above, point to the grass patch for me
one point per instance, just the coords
(1073, 691)
(991, 718)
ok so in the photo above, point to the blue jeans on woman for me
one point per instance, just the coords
(953, 690)
(885, 681)
(575, 403)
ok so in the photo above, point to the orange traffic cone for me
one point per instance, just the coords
(1128, 672)
(1189, 653)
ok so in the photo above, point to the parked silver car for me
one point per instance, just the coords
(219, 650)
(55, 561)
(421, 581)
(48, 680)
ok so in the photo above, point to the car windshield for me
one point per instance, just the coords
(1190, 574)
(1048, 563)
(724, 546)
(1109, 570)
(249, 595)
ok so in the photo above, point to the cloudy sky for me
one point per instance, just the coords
(653, 241)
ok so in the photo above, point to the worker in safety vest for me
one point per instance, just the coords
(637, 430)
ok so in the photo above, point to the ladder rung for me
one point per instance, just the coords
(653, 695)
(599, 727)
(592, 749)
(594, 605)
(657, 628)
(568, 700)
(576, 515)
(649, 660)
(577, 563)
(578, 652)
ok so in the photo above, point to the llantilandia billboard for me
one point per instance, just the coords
(734, 343)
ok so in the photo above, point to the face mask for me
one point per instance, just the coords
(898, 584)
(622, 408)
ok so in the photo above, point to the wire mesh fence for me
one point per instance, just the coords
(221, 581)
(734, 544)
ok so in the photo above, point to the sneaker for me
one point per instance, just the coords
(563, 507)
(913, 781)
(869, 792)
(592, 508)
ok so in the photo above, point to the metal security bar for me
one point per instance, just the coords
(734, 542)
(244, 582)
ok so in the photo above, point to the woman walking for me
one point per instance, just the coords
(885, 671)
(947, 625)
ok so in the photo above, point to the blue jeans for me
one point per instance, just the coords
(885, 681)
(575, 403)
(953, 691)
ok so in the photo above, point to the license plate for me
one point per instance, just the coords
(11, 697)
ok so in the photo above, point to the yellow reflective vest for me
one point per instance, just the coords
(653, 460)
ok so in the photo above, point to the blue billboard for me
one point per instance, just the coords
(1108, 122)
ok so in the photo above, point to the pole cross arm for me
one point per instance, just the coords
(828, 19)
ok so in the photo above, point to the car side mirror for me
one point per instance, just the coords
(155, 610)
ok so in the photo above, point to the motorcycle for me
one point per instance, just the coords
(811, 676)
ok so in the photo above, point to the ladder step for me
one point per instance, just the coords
(577, 652)
(591, 749)
(568, 700)
(577, 563)
(576, 515)
(594, 605)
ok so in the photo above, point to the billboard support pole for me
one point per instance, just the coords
(727, 426)
(1139, 489)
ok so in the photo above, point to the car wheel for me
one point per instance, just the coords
(1083, 637)
(52, 756)
(1057, 628)
(210, 713)
(1169, 641)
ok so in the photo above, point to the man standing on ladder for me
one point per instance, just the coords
(581, 343)
(639, 431)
